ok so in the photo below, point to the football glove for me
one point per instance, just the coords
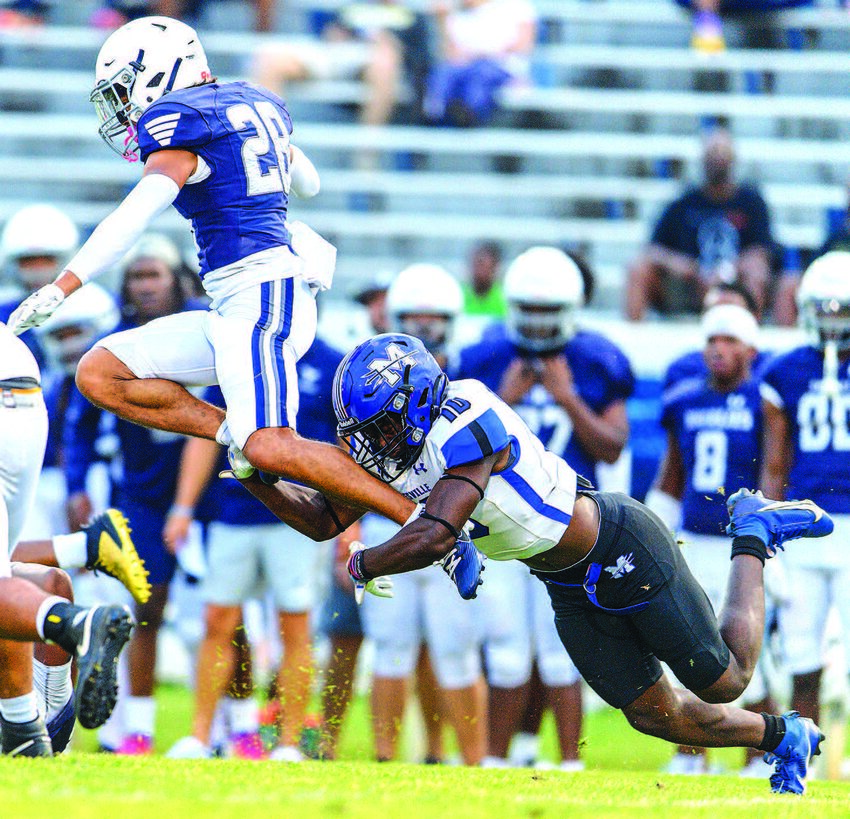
(34, 310)
(379, 586)
(464, 565)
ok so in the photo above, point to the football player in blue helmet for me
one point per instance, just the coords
(222, 154)
(623, 596)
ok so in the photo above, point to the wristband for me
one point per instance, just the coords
(355, 567)
(182, 509)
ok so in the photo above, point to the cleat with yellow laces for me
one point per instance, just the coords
(110, 549)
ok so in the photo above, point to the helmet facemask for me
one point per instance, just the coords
(118, 115)
(541, 328)
(433, 330)
(829, 321)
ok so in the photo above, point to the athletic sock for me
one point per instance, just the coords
(139, 715)
(20, 709)
(774, 732)
(57, 621)
(242, 715)
(749, 545)
(71, 550)
(53, 685)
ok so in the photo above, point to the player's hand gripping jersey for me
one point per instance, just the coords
(526, 507)
(237, 198)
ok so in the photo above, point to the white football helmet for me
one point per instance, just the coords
(543, 288)
(84, 316)
(823, 299)
(42, 234)
(139, 63)
(424, 300)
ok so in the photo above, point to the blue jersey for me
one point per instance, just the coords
(719, 436)
(692, 365)
(58, 390)
(601, 373)
(230, 502)
(30, 339)
(819, 424)
(237, 199)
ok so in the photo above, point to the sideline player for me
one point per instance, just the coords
(221, 154)
(714, 428)
(27, 613)
(623, 596)
(807, 438)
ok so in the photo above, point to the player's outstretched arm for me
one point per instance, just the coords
(433, 534)
(165, 174)
(304, 509)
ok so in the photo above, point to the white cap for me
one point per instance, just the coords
(731, 320)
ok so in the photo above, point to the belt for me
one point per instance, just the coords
(17, 393)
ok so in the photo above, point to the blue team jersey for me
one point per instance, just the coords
(692, 365)
(230, 502)
(237, 200)
(30, 339)
(819, 425)
(719, 435)
(601, 373)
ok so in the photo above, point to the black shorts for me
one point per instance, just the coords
(618, 655)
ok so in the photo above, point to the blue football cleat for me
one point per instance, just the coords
(791, 758)
(464, 565)
(774, 522)
(61, 725)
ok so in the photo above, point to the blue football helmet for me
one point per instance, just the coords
(387, 394)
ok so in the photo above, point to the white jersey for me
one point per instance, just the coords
(16, 361)
(527, 506)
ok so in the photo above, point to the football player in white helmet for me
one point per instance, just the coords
(806, 399)
(424, 301)
(35, 244)
(221, 154)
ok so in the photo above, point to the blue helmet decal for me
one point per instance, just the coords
(387, 394)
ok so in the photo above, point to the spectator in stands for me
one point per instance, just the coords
(115, 13)
(374, 42)
(719, 231)
(22, 13)
(708, 26)
(482, 292)
(373, 296)
(484, 45)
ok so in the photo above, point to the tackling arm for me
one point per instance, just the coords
(429, 537)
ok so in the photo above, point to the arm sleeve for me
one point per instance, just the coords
(478, 439)
(119, 231)
(305, 177)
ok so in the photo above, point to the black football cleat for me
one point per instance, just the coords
(25, 738)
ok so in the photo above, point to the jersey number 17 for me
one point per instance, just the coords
(270, 143)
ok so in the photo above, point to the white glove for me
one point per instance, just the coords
(34, 310)
(240, 466)
(379, 586)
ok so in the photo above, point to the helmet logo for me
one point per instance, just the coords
(390, 369)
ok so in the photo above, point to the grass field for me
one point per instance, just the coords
(622, 781)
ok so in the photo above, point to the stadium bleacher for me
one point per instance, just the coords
(607, 150)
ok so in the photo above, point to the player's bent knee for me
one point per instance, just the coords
(732, 683)
(57, 581)
(97, 373)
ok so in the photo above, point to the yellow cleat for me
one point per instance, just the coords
(110, 550)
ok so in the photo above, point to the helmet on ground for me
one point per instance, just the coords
(36, 243)
(84, 317)
(424, 301)
(139, 63)
(543, 288)
(387, 393)
(823, 299)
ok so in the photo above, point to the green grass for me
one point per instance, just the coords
(621, 782)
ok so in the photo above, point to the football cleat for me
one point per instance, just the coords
(110, 549)
(188, 748)
(792, 757)
(464, 565)
(100, 633)
(25, 738)
(136, 745)
(774, 522)
(246, 745)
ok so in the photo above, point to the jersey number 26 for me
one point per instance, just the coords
(270, 143)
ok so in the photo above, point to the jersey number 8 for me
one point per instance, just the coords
(271, 135)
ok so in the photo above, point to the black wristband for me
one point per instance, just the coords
(450, 477)
(749, 545)
(455, 532)
(355, 567)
